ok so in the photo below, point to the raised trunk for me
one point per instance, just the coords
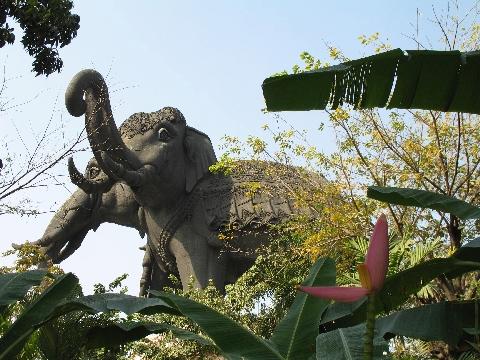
(102, 131)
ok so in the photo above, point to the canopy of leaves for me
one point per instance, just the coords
(47, 25)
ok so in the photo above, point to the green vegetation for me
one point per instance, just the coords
(47, 25)
(294, 336)
(419, 167)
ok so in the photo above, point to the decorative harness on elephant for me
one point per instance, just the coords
(182, 213)
(230, 206)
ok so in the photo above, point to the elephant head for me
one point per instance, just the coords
(147, 150)
(150, 162)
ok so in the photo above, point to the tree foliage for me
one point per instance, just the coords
(47, 26)
(427, 150)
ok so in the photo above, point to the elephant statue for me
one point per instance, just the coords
(152, 174)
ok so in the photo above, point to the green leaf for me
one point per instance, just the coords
(122, 333)
(232, 339)
(347, 344)
(424, 199)
(127, 304)
(49, 341)
(295, 335)
(469, 251)
(398, 288)
(15, 286)
(39, 311)
(339, 315)
(444, 321)
(425, 79)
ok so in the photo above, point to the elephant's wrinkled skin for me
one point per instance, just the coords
(152, 174)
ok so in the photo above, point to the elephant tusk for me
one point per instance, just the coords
(133, 178)
(70, 248)
(17, 246)
(87, 185)
(41, 242)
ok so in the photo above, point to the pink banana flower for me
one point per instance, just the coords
(372, 272)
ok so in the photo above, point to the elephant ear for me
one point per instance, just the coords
(200, 155)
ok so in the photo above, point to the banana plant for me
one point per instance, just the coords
(400, 286)
(293, 338)
(297, 335)
(56, 301)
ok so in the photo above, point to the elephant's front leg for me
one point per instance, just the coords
(196, 259)
(153, 276)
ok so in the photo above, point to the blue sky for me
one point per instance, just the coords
(207, 58)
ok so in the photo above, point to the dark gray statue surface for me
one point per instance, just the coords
(152, 174)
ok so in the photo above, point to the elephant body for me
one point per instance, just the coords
(231, 214)
(153, 174)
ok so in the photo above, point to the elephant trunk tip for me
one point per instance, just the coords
(74, 101)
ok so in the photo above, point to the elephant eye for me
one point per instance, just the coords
(163, 135)
(93, 172)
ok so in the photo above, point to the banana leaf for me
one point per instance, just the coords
(232, 339)
(295, 335)
(470, 251)
(127, 304)
(448, 321)
(53, 341)
(122, 333)
(424, 199)
(424, 79)
(39, 311)
(408, 282)
(14, 287)
(347, 343)
(54, 302)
